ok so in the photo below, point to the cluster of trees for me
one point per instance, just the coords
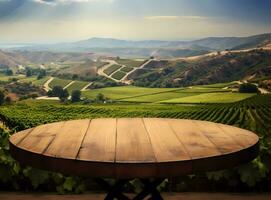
(23, 90)
(59, 92)
(40, 73)
(8, 72)
(248, 88)
(63, 94)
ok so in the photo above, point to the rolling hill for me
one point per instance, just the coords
(14, 58)
(208, 70)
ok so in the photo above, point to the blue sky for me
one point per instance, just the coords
(71, 20)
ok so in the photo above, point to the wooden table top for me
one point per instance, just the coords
(133, 147)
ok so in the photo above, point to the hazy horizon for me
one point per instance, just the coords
(54, 21)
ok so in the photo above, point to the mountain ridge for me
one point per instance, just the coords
(103, 44)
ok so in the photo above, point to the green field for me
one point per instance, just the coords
(130, 63)
(225, 97)
(168, 95)
(59, 82)
(126, 69)
(125, 92)
(77, 85)
(200, 89)
(110, 70)
(28, 79)
(40, 82)
(220, 85)
(118, 75)
(154, 98)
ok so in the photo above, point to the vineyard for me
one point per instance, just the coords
(253, 113)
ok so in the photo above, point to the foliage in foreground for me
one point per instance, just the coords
(253, 114)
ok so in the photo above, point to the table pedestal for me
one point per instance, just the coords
(115, 191)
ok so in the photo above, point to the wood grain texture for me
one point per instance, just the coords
(100, 141)
(165, 143)
(67, 142)
(133, 148)
(16, 139)
(39, 139)
(196, 143)
(133, 143)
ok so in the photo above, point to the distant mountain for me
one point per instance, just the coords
(221, 43)
(215, 43)
(115, 43)
(8, 59)
(146, 48)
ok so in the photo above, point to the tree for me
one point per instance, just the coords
(248, 88)
(50, 93)
(2, 97)
(42, 73)
(59, 92)
(9, 72)
(76, 96)
(29, 72)
(64, 95)
(100, 98)
(75, 77)
(56, 91)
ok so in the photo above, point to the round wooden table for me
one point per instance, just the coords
(144, 148)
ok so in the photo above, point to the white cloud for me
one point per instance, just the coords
(173, 17)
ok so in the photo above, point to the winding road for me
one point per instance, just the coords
(124, 79)
(101, 69)
(46, 84)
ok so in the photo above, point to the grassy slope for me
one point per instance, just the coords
(152, 95)
(40, 82)
(59, 82)
(130, 63)
(111, 69)
(77, 85)
(225, 97)
(125, 92)
(152, 98)
(118, 75)
(126, 69)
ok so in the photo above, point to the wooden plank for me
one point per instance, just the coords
(165, 143)
(18, 137)
(99, 142)
(195, 142)
(39, 139)
(243, 137)
(67, 143)
(133, 143)
(223, 142)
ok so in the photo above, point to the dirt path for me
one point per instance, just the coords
(46, 84)
(69, 85)
(125, 80)
(86, 87)
(167, 196)
(101, 69)
(264, 91)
